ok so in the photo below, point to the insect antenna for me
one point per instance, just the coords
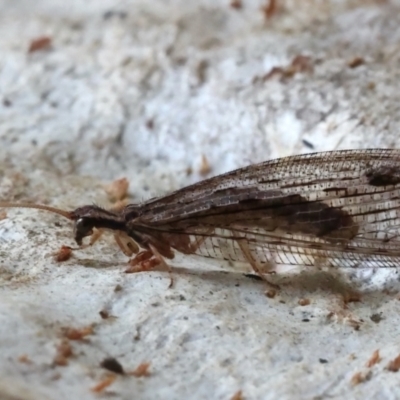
(63, 213)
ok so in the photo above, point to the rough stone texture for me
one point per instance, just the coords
(143, 90)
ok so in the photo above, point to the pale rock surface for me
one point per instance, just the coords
(144, 89)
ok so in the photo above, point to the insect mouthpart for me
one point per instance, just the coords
(83, 227)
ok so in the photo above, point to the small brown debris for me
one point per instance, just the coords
(344, 316)
(137, 335)
(104, 314)
(238, 396)
(117, 190)
(308, 144)
(24, 359)
(254, 277)
(118, 288)
(351, 297)
(56, 376)
(103, 384)
(377, 317)
(113, 365)
(394, 365)
(115, 14)
(64, 351)
(120, 204)
(270, 293)
(304, 302)
(236, 4)
(302, 64)
(63, 254)
(77, 334)
(205, 167)
(189, 171)
(275, 71)
(360, 377)
(375, 359)
(201, 71)
(269, 10)
(355, 324)
(299, 64)
(40, 43)
(356, 62)
(3, 215)
(352, 356)
(150, 124)
(141, 370)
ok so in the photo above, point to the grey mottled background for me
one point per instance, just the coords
(144, 90)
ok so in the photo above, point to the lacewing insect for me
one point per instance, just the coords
(339, 208)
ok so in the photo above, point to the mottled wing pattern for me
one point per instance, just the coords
(341, 207)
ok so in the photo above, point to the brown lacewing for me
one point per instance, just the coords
(339, 208)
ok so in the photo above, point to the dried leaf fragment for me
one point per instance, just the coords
(103, 384)
(356, 62)
(23, 358)
(205, 167)
(141, 370)
(394, 365)
(302, 63)
(63, 254)
(299, 64)
(120, 204)
(375, 359)
(117, 190)
(238, 396)
(269, 10)
(64, 351)
(77, 334)
(40, 43)
(236, 4)
(360, 377)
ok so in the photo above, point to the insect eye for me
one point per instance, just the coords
(83, 228)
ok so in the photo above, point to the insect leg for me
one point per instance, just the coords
(96, 235)
(135, 264)
(259, 270)
(161, 260)
(126, 244)
(147, 260)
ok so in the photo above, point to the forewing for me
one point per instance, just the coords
(316, 176)
(338, 207)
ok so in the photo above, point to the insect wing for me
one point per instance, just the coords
(339, 207)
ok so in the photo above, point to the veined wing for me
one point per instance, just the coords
(327, 177)
(283, 248)
(341, 206)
